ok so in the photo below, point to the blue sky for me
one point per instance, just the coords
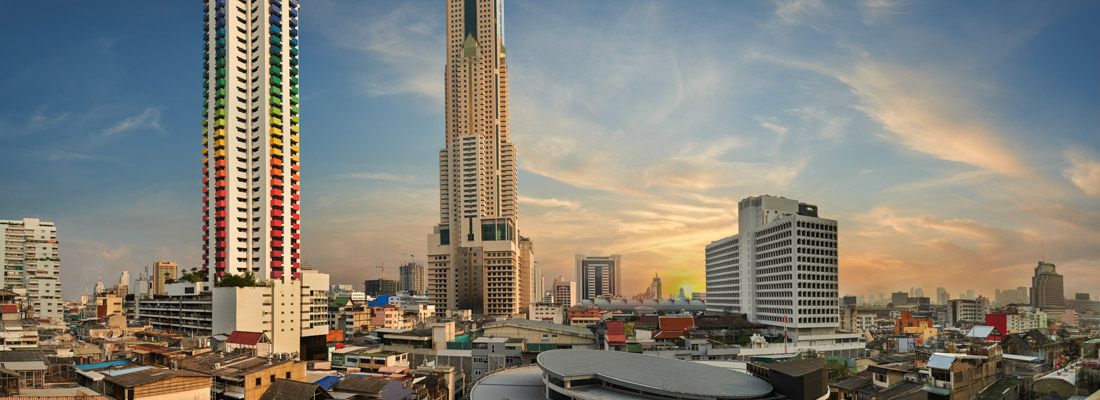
(956, 143)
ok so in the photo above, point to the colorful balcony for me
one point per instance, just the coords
(294, 128)
(219, 153)
(277, 172)
(221, 184)
(276, 212)
(220, 194)
(220, 132)
(277, 243)
(276, 131)
(220, 173)
(294, 147)
(277, 233)
(276, 141)
(277, 151)
(294, 119)
(220, 224)
(221, 234)
(277, 182)
(277, 192)
(276, 161)
(294, 157)
(277, 274)
(219, 163)
(220, 204)
(220, 143)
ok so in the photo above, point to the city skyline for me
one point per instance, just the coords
(972, 173)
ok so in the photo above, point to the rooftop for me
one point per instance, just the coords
(653, 374)
(146, 376)
(228, 365)
(515, 383)
(541, 325)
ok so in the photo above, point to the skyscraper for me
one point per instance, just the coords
(942, 296)
(565, 292)
(474, 252)
(250, 160)
(655, 286)
(1046, 287)
(250, 174)
(32, 262)
(780, 270)
(599, 276)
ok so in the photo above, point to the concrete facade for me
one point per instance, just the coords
(32, 263)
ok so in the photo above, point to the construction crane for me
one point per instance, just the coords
(381, 271)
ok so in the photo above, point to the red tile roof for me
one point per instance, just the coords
(669, 335)
(335, 335)
(245, 338)
(676, 323)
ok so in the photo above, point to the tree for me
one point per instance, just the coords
(232, 280)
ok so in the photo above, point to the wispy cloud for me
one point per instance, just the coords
(549, 203)
(792, 11)
(1083, 171)
(149, 119)
(404, 45)
(377, 176)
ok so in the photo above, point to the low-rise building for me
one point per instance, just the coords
(158, 384)
(549, 312)
(491, 354)
(242, 375)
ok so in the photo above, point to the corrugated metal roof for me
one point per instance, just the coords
(653, 374)
(941, 361)
(980, 331)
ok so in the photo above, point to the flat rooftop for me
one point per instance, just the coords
(516, 383)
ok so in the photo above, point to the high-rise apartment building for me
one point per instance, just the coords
(32, 263)
(474, 252)
(412, 277)
(250, 169)
(1046, 287)
(164, 272)
(780, 270)
(599, 276)
(942, 296)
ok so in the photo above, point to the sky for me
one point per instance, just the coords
(956, 143)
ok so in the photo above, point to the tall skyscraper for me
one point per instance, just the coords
(474, 252)
(32, 263)
(599, 276)
(250, 173)
(250, 161)
(942, 296)
(412, 277)
(780, 270)
(1046, 287)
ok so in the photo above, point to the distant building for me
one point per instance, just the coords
(899, 298)
(1046, 287)
(32, 263)
(942, 296)
(655, 286)
(380, 286)
(413, 279)
(163, 272)
(565, 292)
(849, 301)
(599, 276)
(959, 310)
(1081, 296)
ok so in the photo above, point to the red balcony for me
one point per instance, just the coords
(221, 254)
(205, 189)
(294, 167)
(221, 273)
(220, 173)
(278, 223)
(220, 204)
(277, 172)
(221, 234)
(294, 177)
(220, 193)
(297, 275)
(277, 212)
(295, 207)
(220, 163)
(221, 264)
(276, 243)
(205, 227)
(205, 219)
(221, 214)
(276, 254)
(295, 226)
(276, 203)
(276, 264)
(295, 187)
(295, 197)
(297, 265)
(277, 233)
(276, 274)
(205, 170)
(276, 182)
(296, 236)
(295, 216)
(277, 192)
(221, 224)
(295, 246)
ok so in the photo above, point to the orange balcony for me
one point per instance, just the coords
(277, 171)
(276, 161)
(220, 173)
(276, 182)
(220, 163)
(220, 193)
(277, 212)
(220, 183)
(276, 203)
(277, 192)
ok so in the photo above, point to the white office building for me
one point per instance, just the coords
(32, 263)
(780, 270)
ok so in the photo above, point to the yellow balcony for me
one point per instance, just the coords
(276, 121)
(294, 147)
(294, 157)
(204, 140)
(293, 138)
(204, 151)
(294, 128)
(276, 141)
(219, 143)
(276, 131)
(220, 133)
(276, 151)
(220, 153)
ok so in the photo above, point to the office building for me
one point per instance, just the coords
(1046, 287)
(959, 310)
(565, 292)
(412, 277)
(474, 252)
(380, 286)
(599, 276)
(32, 263)
(525, 279)
(163, 272)
(780, 270)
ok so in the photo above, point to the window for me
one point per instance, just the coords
(259, 381)
(272, 378)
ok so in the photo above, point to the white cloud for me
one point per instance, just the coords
(792, 11)
(549, 203)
